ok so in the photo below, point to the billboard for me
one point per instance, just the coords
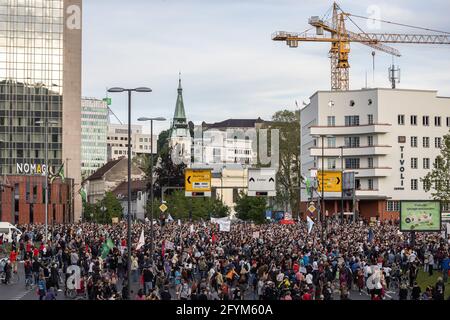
(198, 183)
(422, 216)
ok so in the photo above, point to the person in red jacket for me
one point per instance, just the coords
(13, 259)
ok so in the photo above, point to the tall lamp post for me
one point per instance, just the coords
(47, 124)
(151, 180)
(129, 91)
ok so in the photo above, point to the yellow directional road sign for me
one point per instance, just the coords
(332, 181)
(197, 182)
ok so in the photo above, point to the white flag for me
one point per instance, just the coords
(192, 228)
(141, 240)
(179, 222)
(310, 224)
(169, 218)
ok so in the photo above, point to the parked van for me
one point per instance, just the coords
(7, 230)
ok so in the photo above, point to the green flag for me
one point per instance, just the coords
(60, 174)
(107, 246)
(308, 186)
(83, 194)
(108, 101)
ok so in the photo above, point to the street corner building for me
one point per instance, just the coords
(389, 138)
(40, 108)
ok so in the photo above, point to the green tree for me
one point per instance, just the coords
(180, 206)
(107, 208)
(168, 174)
(438, 179)
(251, 208)
(288, 192)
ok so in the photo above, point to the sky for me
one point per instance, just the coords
(230, 66)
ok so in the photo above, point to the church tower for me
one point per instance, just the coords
(180, 137)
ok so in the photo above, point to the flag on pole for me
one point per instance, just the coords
(106, 248)
(169, 218)
(141, 241)
(179, 222)
(192, 228)
(214, 238)
(83, 194)
(310, 224)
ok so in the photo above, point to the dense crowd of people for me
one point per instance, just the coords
(195, 261)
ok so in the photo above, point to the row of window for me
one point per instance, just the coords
(426, 142)
(425, 120)
(350, 121)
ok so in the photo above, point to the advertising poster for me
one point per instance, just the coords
(419, 216)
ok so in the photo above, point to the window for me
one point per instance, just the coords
(448, 121)
(370, 119)
(357, 184)
(426, 142)
(426, 185)
(331, 142)
(437, 163)
(141, 140)
(437, 121)
(370, 141)
(331, 120)
(414, 120)
(351, 121)
(401, 119)
(352, 142)
(413, 142)
(393, 206)
(370, 163)
(426, 121)
(352, 163)
(438, 142)
(352, 103)
(414, 163)
(116, 152)
(414, 184)
(370, 184)
(331, 163)
(426, 163)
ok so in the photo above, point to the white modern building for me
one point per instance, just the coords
(117, 141)
(389, 138)
(94, 129)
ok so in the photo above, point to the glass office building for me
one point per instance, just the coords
(31, 66)
(40, 88)
(94, 130)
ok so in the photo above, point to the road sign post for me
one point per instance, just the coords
(331, 181)
(197, 183)
(262, 182)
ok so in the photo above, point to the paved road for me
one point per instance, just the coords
(18, 291)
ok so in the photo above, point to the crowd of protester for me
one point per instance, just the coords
(195, 261)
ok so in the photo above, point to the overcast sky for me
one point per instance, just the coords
(230, 66)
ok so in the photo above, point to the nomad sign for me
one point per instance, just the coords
(332, 181)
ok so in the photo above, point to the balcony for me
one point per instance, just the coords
(379, 128)
(379, 150)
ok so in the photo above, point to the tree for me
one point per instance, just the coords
(104, 210)
(288, 192)
(167, 173)
(251, 208)
(202, 208)
(438, 179)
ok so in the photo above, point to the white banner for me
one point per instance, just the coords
(225, 226)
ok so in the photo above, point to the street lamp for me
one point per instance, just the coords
(151, 178)
(129, 91)
(47, 124)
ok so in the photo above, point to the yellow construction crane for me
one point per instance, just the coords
(341, 38)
